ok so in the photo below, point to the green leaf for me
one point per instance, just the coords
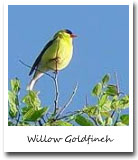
(58, 123)
(23, 124)
(125, 119)
(91, 110)
(15, 85)
(10, 123)
(107, 106)
(115, 98)
(105, 79)
(13, 103)
(115, 104)
(32, 100)
(71, 118)
(81, 120)
(29, 116)
(25, 109)
(120, 124)
(102, 100)
(12, 98)
(34, 115)
(108, 121)
(111, 90)
(124, 102)
(97, 89)
(105, 113)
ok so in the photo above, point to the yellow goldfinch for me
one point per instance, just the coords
(55, 56)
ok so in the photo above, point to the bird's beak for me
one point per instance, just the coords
(73, 35)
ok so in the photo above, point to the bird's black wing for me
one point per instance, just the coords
(40, 56)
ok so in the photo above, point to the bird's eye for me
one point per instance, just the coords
(68, 31)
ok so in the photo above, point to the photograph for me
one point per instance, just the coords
(68, 65)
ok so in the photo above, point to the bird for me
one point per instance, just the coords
(55, 56)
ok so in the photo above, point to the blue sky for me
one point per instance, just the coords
(102, 46)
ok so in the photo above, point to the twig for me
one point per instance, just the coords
(18, 118)
(56, 83)
(68, 102)
(35, 69)
(86, 100)
(93, 119)
(118, 91)
(54, 78)
(40, 123)
(117, 83)
(56, 92)
(118, 115)
(66, 116)
(112, 113)
(43, 119)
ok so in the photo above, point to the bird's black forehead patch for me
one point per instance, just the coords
(68, 31)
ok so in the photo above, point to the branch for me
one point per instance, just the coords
(19, 114)
(86, 100)
(93, 119)
(18, 119)
(118, 91)
(68, 102)
(56, 92)
(43, 119)
(112, 113)
(117, 83)
(56, 83)
(66, 116)
(54, 78)
(40, 123)
(35, 69)
(118, 115)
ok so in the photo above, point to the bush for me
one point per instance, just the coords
(106, 112)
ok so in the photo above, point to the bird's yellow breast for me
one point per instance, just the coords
(57, 56)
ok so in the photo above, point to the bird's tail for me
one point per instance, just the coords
(33, 81)
(31, 85)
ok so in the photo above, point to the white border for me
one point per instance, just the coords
(15, 137)
(69, 2)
